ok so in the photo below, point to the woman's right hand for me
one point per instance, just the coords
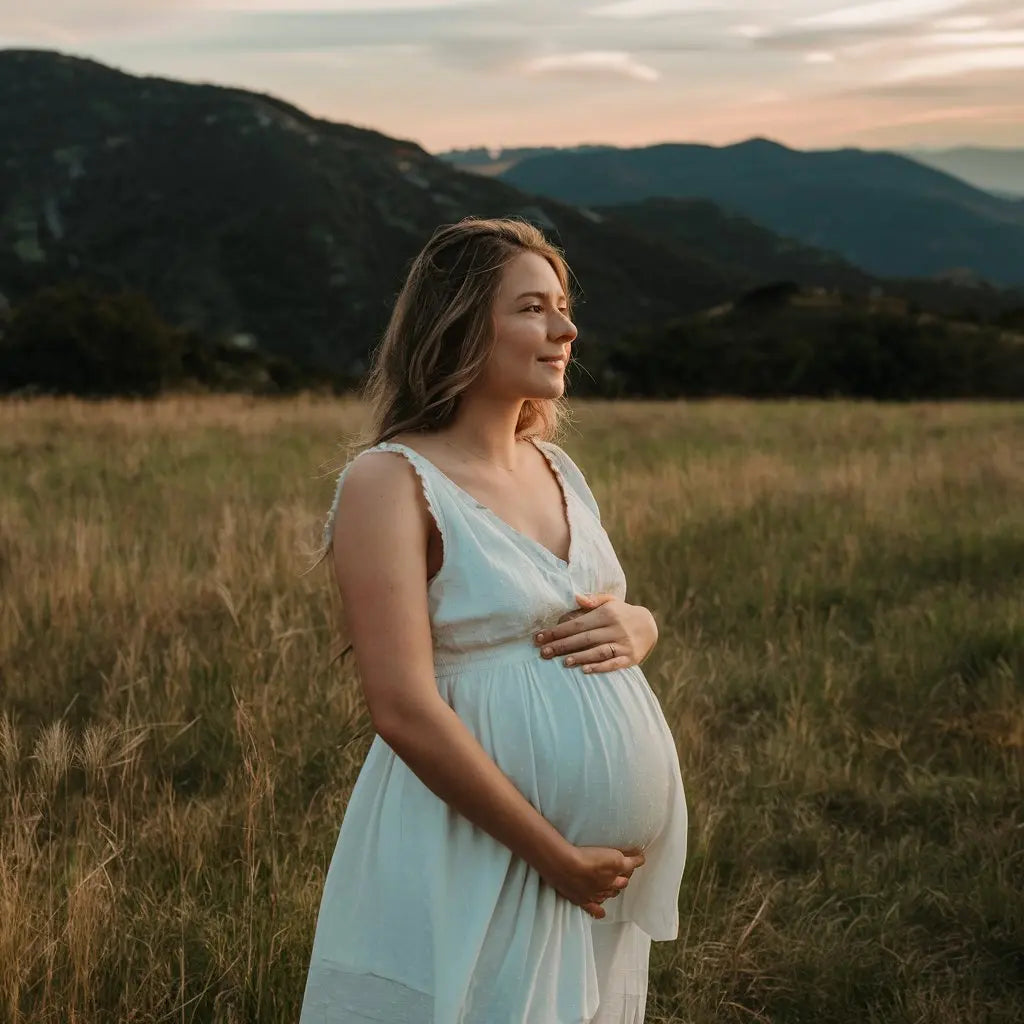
(591, 874)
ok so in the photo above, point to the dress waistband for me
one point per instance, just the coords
(507, 652)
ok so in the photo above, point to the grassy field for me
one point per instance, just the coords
(840, 590)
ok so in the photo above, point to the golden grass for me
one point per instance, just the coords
(838, 588)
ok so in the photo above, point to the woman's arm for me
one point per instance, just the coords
(380, 536)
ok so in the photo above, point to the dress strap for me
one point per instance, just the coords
(573, 476)
(423, 470)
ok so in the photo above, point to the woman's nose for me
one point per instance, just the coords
(566, 328)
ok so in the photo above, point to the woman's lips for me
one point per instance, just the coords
(559, 362)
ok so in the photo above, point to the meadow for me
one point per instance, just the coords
(840, 594)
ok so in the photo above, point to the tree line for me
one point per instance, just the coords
(765, 349)
(76, 339)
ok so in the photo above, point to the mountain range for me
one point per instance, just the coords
(881, 211)
(237, 212)
(996, 170)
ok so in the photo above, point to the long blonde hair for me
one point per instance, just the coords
(441, 333)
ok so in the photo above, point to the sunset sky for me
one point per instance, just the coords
(452, 73)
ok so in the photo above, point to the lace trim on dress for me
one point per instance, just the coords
(574, 474)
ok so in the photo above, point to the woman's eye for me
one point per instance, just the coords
(540, 309)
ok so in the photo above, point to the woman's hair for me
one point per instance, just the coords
(441, 332)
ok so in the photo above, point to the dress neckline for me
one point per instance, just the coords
(532, 542)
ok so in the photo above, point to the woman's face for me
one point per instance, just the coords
(533, 334)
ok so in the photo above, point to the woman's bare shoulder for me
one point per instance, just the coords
(375, 485)
(379, 475)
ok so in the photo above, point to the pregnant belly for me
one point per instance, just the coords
(591, 752)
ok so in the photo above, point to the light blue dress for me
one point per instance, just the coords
(427, 919)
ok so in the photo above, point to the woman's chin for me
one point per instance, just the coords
(555, 389)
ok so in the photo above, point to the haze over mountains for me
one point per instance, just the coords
(999, 171)
(237, 212)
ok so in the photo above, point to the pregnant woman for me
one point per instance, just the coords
(517, 834)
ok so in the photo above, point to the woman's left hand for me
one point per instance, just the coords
(602, 635)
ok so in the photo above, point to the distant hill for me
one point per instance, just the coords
(754, 256)
(236, 212)
(489, 162)
(242, 217)
(1000, 171)
(751, 252)
(881, 211)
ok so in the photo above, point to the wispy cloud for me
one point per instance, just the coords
(976, 87)
(960, 23)
(601, 63)
(298, 30)
(452, 72)
(335, 6)
(877, 13)
(1004, 37)
(909, 22)
(945, 64)
(647, 8)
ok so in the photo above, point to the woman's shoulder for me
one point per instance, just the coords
(374, 478)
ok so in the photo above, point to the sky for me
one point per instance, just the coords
(457, 73)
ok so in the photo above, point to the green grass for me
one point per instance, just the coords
(839, 592)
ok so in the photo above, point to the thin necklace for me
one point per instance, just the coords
(481, 457)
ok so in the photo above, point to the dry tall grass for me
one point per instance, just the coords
(841, 660)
